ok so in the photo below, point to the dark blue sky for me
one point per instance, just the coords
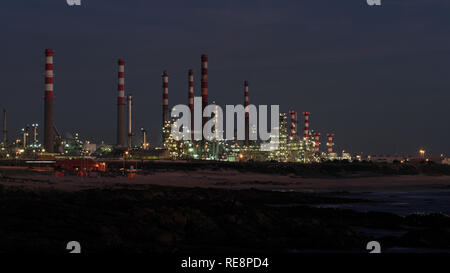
(377, 77)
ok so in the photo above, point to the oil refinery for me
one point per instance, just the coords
(291, 144)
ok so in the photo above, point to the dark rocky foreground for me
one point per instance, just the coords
(144, 219)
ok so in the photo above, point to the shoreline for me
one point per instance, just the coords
(146, 218)
(232, 179)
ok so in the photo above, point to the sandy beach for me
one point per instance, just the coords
(231, 179)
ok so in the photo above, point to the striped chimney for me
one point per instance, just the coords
(293, 124)
(247, 123)
(121, 130)
(165, 105)
(48, 98)
(306, 131)
(121, 82)
(330, 143)
(317, 141)
(191, 99)
(204, 83)
(246, 96)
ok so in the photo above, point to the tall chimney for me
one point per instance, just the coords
(5, 132)
(317, 141)
(121, 130)
(191, 99)
(24, 140)
(204, 83)
(293, 124)
(330, 143)
(306, 131)
(27, 137)
(247, 124)
(48, 102)
(144, 139)
(130, 128)
(35, 127)
(165, 102)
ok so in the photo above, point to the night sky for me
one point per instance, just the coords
(377, 77)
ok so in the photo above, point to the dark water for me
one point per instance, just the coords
(400, 203)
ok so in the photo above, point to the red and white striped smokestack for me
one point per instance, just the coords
(317, 141)
(48, 98)
(121, 82)
(204, 83)
(191, 99)
(121, 128)
(49, 73)
(191, 90)
(330, 143)
(165, 102)
(306, 131)
(293, 124)
(246, 96)
(247, 122)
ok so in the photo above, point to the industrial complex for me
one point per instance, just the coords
(291, 146)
